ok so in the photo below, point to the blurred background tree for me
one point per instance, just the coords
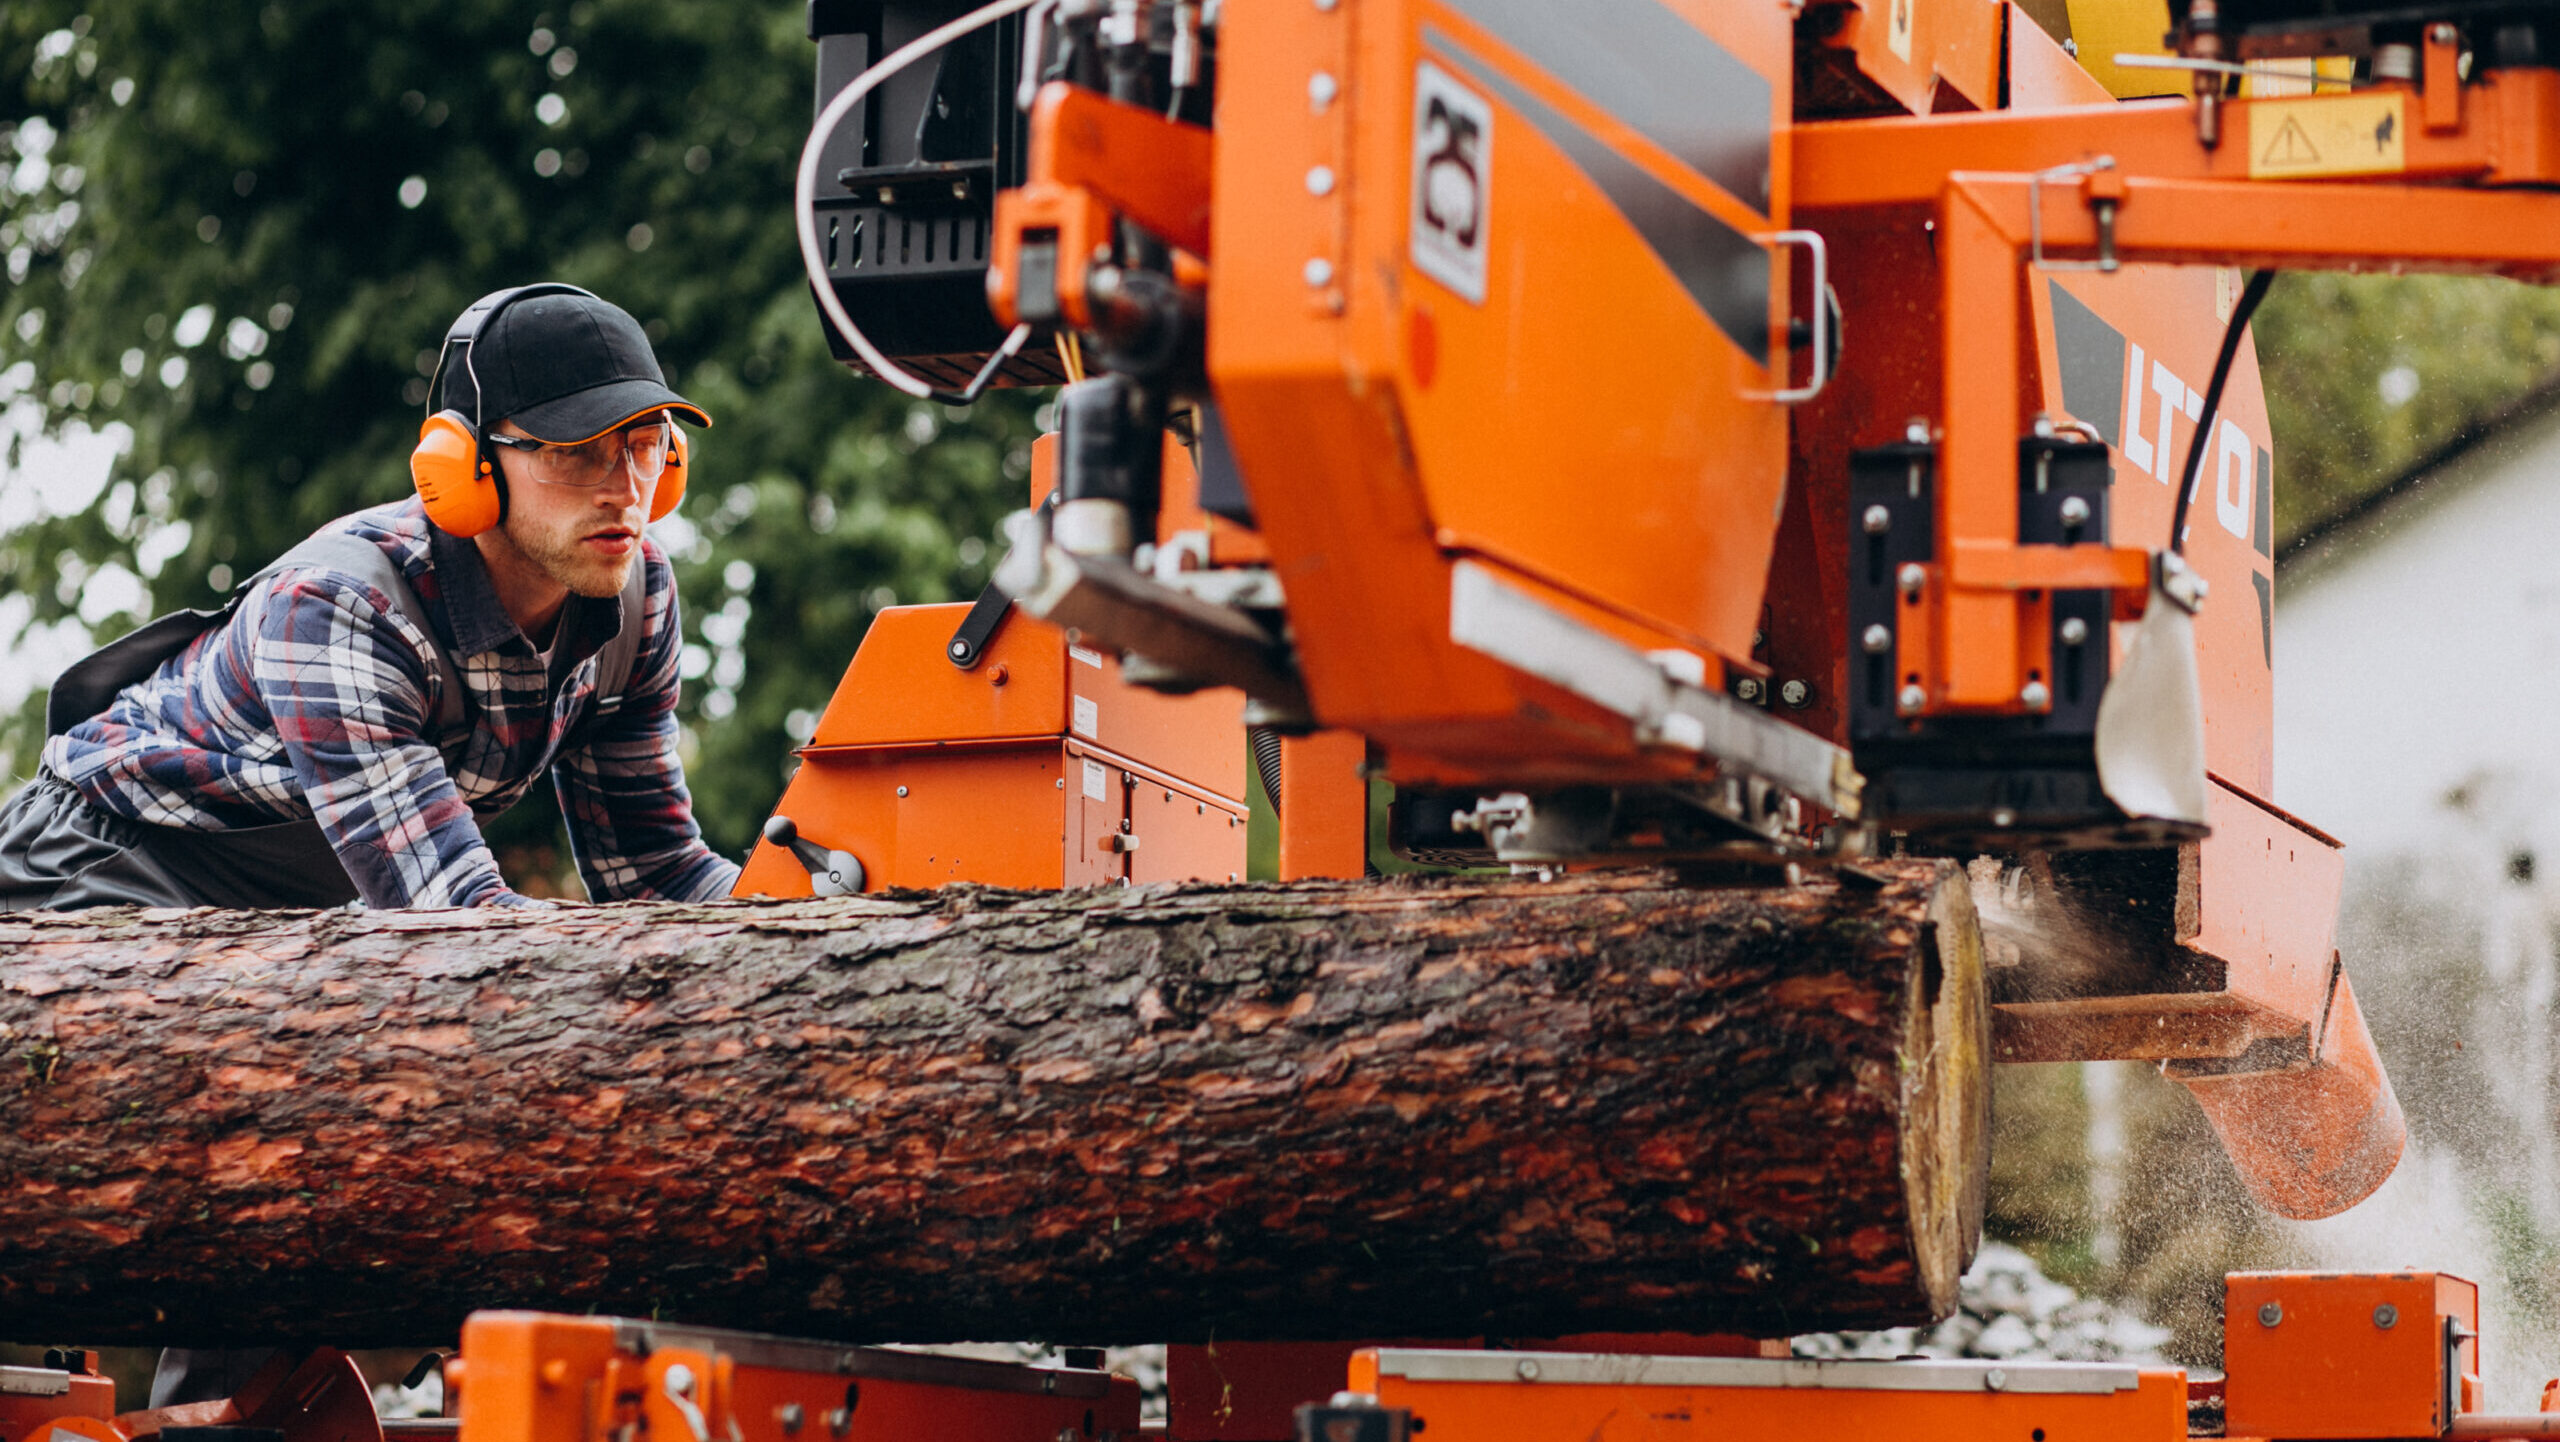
(234, 240)
(2368, 375)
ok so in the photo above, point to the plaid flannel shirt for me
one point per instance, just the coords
(316, 700)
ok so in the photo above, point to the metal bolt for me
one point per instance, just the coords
(2074, 631)
(2443, 35)
(2035, 696)
(1912, 576)
(2386, 1316)
(2003, 817)
(1877, 520)
(1878, 639)
(902, 791)
(1796, 694)
(1321, 88)
(1320, 180)
(2044, 427)
(959, 650)
(1748, 688)
(1319, 271)
(791, 1416)
(1326, 4)
(2075, 511)
(2270, 1313)
(1917, 433)
(1995, 1379)
(1528, 1369)
(1912, 699)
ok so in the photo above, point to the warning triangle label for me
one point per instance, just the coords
(2290, 148)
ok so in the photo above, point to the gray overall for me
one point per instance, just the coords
(59, 851)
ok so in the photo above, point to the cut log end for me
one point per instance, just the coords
(1607, 1103)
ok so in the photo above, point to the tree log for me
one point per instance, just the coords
(1315, 1111)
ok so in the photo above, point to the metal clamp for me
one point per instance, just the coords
(2106, 211)
(1812, 241)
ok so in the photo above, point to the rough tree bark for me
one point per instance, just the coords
(1323, 1110)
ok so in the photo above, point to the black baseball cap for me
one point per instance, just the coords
(567, 367)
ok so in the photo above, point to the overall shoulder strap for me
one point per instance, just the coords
(614, 662)
(355, 556)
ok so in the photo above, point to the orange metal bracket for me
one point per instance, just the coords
(2508, 133)
(1985, 223)
(1092, 158)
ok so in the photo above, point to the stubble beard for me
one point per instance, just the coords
(564, 559)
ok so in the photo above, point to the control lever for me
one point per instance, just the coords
(831, 873)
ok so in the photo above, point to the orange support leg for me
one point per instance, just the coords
(1324, 806)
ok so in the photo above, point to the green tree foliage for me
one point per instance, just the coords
(240, 232)
(2367, 375)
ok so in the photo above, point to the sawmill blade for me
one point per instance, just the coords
(2150, 739)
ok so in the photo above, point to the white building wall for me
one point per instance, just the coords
(2421, 654)
(2418, 720)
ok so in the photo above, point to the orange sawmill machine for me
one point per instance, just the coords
(1738, 435)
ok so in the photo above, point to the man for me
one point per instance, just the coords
(340, 730)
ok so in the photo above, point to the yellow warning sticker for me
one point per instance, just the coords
(2328, 135)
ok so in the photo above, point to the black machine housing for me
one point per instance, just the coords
(907, 184)
(1987, 783)
(2506, 32)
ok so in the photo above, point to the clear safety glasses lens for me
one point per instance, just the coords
(642, 448)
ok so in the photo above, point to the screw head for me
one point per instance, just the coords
(2386, 1316)
(1877, 520)
(959, 650)
(1319, 271)
(2003, 817)
(902, 791)
(2074, 631)
(1917, 432)
(1877, 639)
(1748, 688)
(1795, 693)
(1528, 1369)
(1321, 88)
(2035, 696)
(1995, 1379)
(1320, 180)
(1912, 577)
(2270, 1313)
(1911, 699)
(2075, 510)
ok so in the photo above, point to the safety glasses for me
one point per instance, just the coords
(642, 447)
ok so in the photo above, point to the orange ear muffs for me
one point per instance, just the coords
(670, 480)
(453, 476)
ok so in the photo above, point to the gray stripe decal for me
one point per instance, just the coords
(1655, 71)
(2265, 525)
(2092, 354)
(1722, 269)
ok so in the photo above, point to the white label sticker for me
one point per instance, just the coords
(1088, 717)
(1090, 658)
(1094, 777)
(1452, 180)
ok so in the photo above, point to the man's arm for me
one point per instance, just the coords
(344, 679)
(630, 817)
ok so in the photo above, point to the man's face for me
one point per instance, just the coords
(584, 538)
